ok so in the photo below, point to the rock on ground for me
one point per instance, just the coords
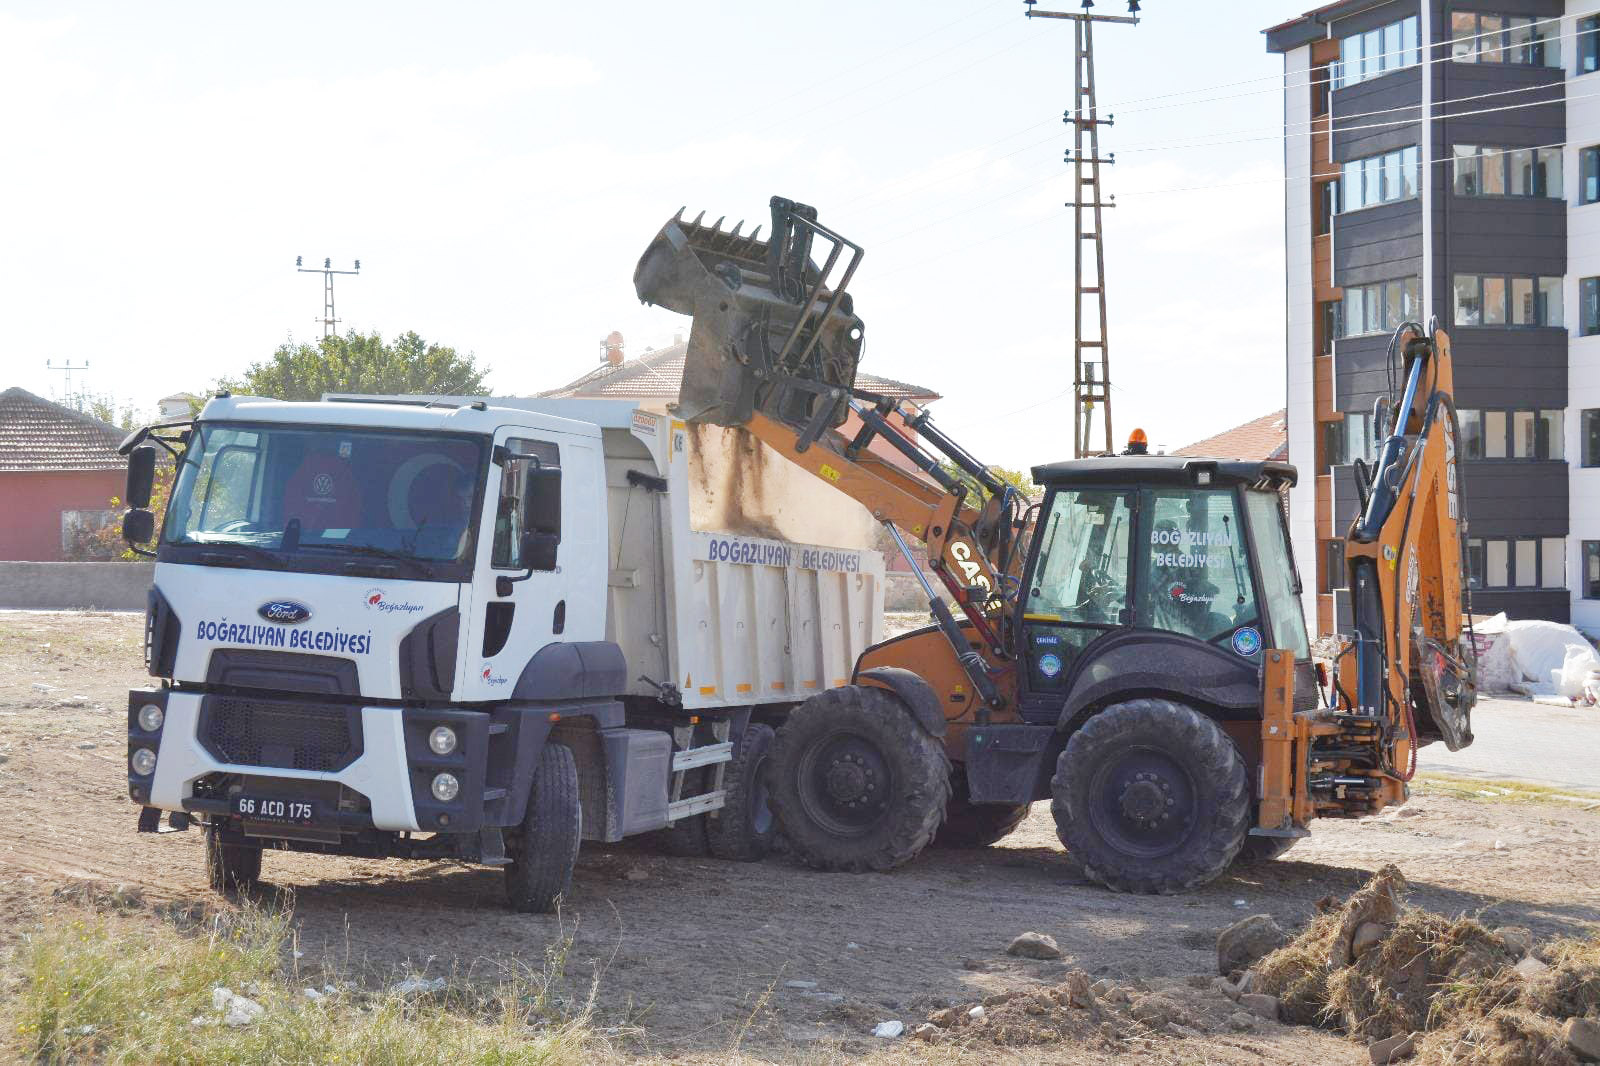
(1248, 941)
(1034, 946)
(1582, 1037)
(1393, 1049)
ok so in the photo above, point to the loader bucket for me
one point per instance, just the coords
(769, 333)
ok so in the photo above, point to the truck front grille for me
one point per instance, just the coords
(279, 733)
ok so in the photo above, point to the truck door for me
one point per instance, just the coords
(1079, 581)
(516, 609)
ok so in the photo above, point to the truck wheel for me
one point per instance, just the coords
(545, 850)
(975, 825)
(1150, 796)
(856, 783)
(231, 867)
(743, 830)
(1263, 849)
(685, 838)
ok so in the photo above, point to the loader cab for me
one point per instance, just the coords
(1144, 566)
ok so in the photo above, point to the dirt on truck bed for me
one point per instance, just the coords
(695, 956)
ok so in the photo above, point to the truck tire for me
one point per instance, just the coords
(743, 830)
(1150, 796)
(1263, 849)
(685, 838)
(975, 825)
(545, 849)
(231, 867)
(855, 782)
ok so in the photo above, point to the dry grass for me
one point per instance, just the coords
(102, 987)
(1484, 790)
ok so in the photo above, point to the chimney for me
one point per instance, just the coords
(612, 346)
(677, 338)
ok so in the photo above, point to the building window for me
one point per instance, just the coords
(1333, 568)
(1589, 175)
(1521, 562)
(1492, 300)
(1513, 434)
(1357, 440)
(1589, 44)
(1481, 171)
(1367, 55)
(1381, 306)
(1480, 38)
(1591, 569)
(1380, 179)
(1327, 205)
(1332, 324)
(1589, 437)
(1589, 306)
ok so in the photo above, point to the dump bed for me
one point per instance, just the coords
(717, 618)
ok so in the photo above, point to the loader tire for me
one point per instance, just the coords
(743, 830)
(231, 868)
(856, 783)
(545, 848)
(1152, 797)
(686, 838)
(975, 825)
(1263, 849)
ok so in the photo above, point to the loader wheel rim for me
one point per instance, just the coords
(844, 783)
(1142, 802)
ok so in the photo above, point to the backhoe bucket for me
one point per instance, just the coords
(769, 334)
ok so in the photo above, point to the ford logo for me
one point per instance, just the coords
(286, 611)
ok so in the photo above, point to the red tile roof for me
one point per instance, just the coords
(657, 375)
(37, 435)
(1266, 437)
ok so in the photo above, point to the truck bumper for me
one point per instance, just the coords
(380, 773)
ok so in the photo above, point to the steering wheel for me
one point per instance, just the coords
(238, 525)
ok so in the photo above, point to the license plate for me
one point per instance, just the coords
(271, 809)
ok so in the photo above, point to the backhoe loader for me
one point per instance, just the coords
(1131, 647)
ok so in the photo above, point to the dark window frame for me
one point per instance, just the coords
(1478, 561)
(1589, 587)
(1588, 307)
(1507, 311)
(1589, 175)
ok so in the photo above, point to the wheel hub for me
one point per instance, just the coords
(1142, 801)
(1145, 800)
(847, 779)
(844, 783)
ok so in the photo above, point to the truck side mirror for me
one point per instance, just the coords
(538, 550)
(541, 501)
(141, 477)
(138, 526)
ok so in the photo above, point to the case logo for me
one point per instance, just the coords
(285, 612)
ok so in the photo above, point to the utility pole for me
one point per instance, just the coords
(1091, 354)
(66, 367)
(329, 320)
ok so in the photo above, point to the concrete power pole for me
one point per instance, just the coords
(1091, 353)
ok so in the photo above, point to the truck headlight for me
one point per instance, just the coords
(445, 786)
(144, 762)
(151, 717)
(442, 740)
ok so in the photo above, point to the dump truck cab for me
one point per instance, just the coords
(1157, 576)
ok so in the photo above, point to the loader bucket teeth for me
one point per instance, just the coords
(773, 331)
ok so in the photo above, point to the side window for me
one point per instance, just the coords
(1082, 571)
(515, 484)
(1197, 572)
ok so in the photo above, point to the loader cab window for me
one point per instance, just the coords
(1079, 586)
(1195, 578)
(508, 517)
(1279, 582)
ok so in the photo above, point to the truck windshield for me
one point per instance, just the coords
(328, 493)
(1277, 573)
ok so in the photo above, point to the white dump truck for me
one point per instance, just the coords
(476, 630)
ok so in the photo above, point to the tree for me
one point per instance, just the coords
(1017, 479)
(358, 362)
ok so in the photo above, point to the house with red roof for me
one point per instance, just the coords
(59, 469)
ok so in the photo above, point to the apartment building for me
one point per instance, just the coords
(1443, 159)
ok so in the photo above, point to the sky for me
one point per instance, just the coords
(499, 167)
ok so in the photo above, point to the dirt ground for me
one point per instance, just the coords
(693, 955)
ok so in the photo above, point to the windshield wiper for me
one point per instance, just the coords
(384, 553)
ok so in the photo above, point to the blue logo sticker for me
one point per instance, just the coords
(1246, 641)
(1046, 638)
(287, 612)
(1049, 665)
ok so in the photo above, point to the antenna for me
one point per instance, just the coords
(1091, 356)
(65, 367)
(329, 320)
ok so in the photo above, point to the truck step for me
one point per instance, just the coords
(711, 801)
(705, 755)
